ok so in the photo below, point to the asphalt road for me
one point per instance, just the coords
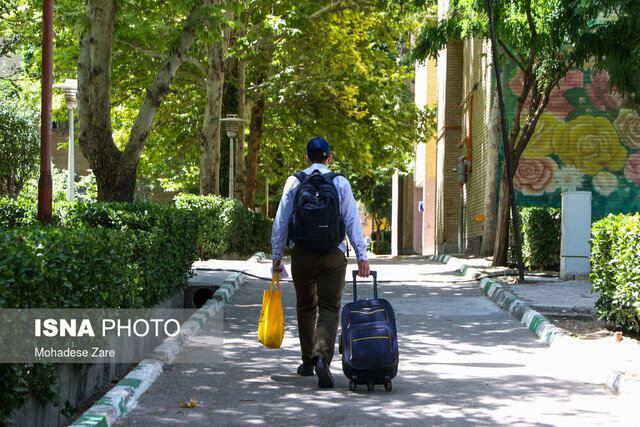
(463, 361)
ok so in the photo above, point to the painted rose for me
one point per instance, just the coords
(628, 126)
(599, 93)
(535, 176)
(541, 142)
(590, 144)
(632, 168)
(558, 105)
(605, 183)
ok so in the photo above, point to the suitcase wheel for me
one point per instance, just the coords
(370, 386)
(387, 385)
(352, 385)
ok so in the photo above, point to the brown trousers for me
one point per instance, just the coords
(319, 281)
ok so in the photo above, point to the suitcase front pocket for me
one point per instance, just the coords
(368, 315)
(371, 347)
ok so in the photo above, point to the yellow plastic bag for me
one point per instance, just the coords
(271, 326)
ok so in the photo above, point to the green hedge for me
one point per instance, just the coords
(540, 230)
(100, 255)
(615, 269)
(228, 228)
(104, 255)
(19, 212)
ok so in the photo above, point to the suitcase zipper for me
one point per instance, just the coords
(388, 337)
(369, 312)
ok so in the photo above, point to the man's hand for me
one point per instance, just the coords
(276, 265)
(363, 268)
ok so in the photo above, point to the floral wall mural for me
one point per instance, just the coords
(585, 141)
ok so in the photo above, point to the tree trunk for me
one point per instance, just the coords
(94, 103)
(239, 170)
(539, 102)
(491, 180)
(253, 149)
(115, 171)
(501, 247)
(210, 133)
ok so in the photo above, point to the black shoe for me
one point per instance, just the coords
(325, 380)
(306, 369)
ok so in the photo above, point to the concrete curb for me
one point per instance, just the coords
(623, 384)
(124, 396)
(258, 256)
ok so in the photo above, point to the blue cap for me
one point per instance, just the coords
(318, 147)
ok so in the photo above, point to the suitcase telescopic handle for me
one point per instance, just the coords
(375, 284)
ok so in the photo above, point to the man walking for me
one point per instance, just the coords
(318, 262)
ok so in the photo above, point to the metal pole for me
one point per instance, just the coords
(71, 161)
(461, 221)
(266, 190)
(505, 142)
(45, 185)
(231, 167)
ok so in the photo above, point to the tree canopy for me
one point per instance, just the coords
(615, 40)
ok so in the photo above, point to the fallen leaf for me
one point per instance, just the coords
(192, 403)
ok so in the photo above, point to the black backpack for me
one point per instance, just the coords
(316, 224)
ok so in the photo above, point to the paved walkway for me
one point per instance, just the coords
(551, 296)
(464, 361)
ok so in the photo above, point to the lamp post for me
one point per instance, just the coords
(44, 183)
(70, 87)
(231, 124)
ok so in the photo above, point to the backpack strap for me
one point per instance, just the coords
(301, 176)
(328, 177)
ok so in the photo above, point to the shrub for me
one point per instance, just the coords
(540, 230)
(228, 228)
(14, 213)
(102, 256)
(383, 246)
(19, 147)
(170, 246)
(615, 269)
(58, 183)
(142, 252)
(51, 267)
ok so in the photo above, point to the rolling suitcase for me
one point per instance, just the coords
(369, 342)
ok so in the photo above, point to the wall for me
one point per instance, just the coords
(59, 154)
(426, 94)
(79, 383)
(477, 92)
(450, 63)
(585, 140)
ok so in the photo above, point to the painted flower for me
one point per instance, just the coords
(569, 179)
(535, 176)
(541, 142)
(590, 144)
(558, 105)
(605, 183)
(632, 168)
(628, 126)
(599, 93)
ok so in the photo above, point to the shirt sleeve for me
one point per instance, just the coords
(349, 211)
(281, 222)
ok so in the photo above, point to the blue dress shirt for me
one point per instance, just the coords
(348, 210)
